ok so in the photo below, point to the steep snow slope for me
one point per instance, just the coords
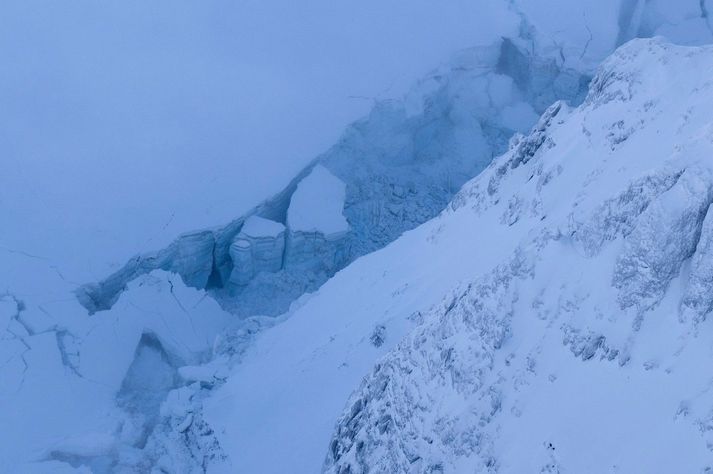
(552, 319)
(583, 349)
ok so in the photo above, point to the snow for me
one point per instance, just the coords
(317, 204)
(538, 364)
(554, 317)
(89, 363)
(551, 372)
(125, 126)
(256, 226)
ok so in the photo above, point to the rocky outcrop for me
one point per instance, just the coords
(616, 216)
(388, 423)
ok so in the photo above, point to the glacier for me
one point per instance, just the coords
(505, 270)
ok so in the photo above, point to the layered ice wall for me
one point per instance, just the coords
(317, 226)
(259, 247)
(313, 242)
(317, 205)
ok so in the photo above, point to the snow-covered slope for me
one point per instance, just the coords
(584, 349)
(552, 319)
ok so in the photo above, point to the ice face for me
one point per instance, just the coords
(259, 247)
(317, 205)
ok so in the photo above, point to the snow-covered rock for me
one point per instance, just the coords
(698, 299)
